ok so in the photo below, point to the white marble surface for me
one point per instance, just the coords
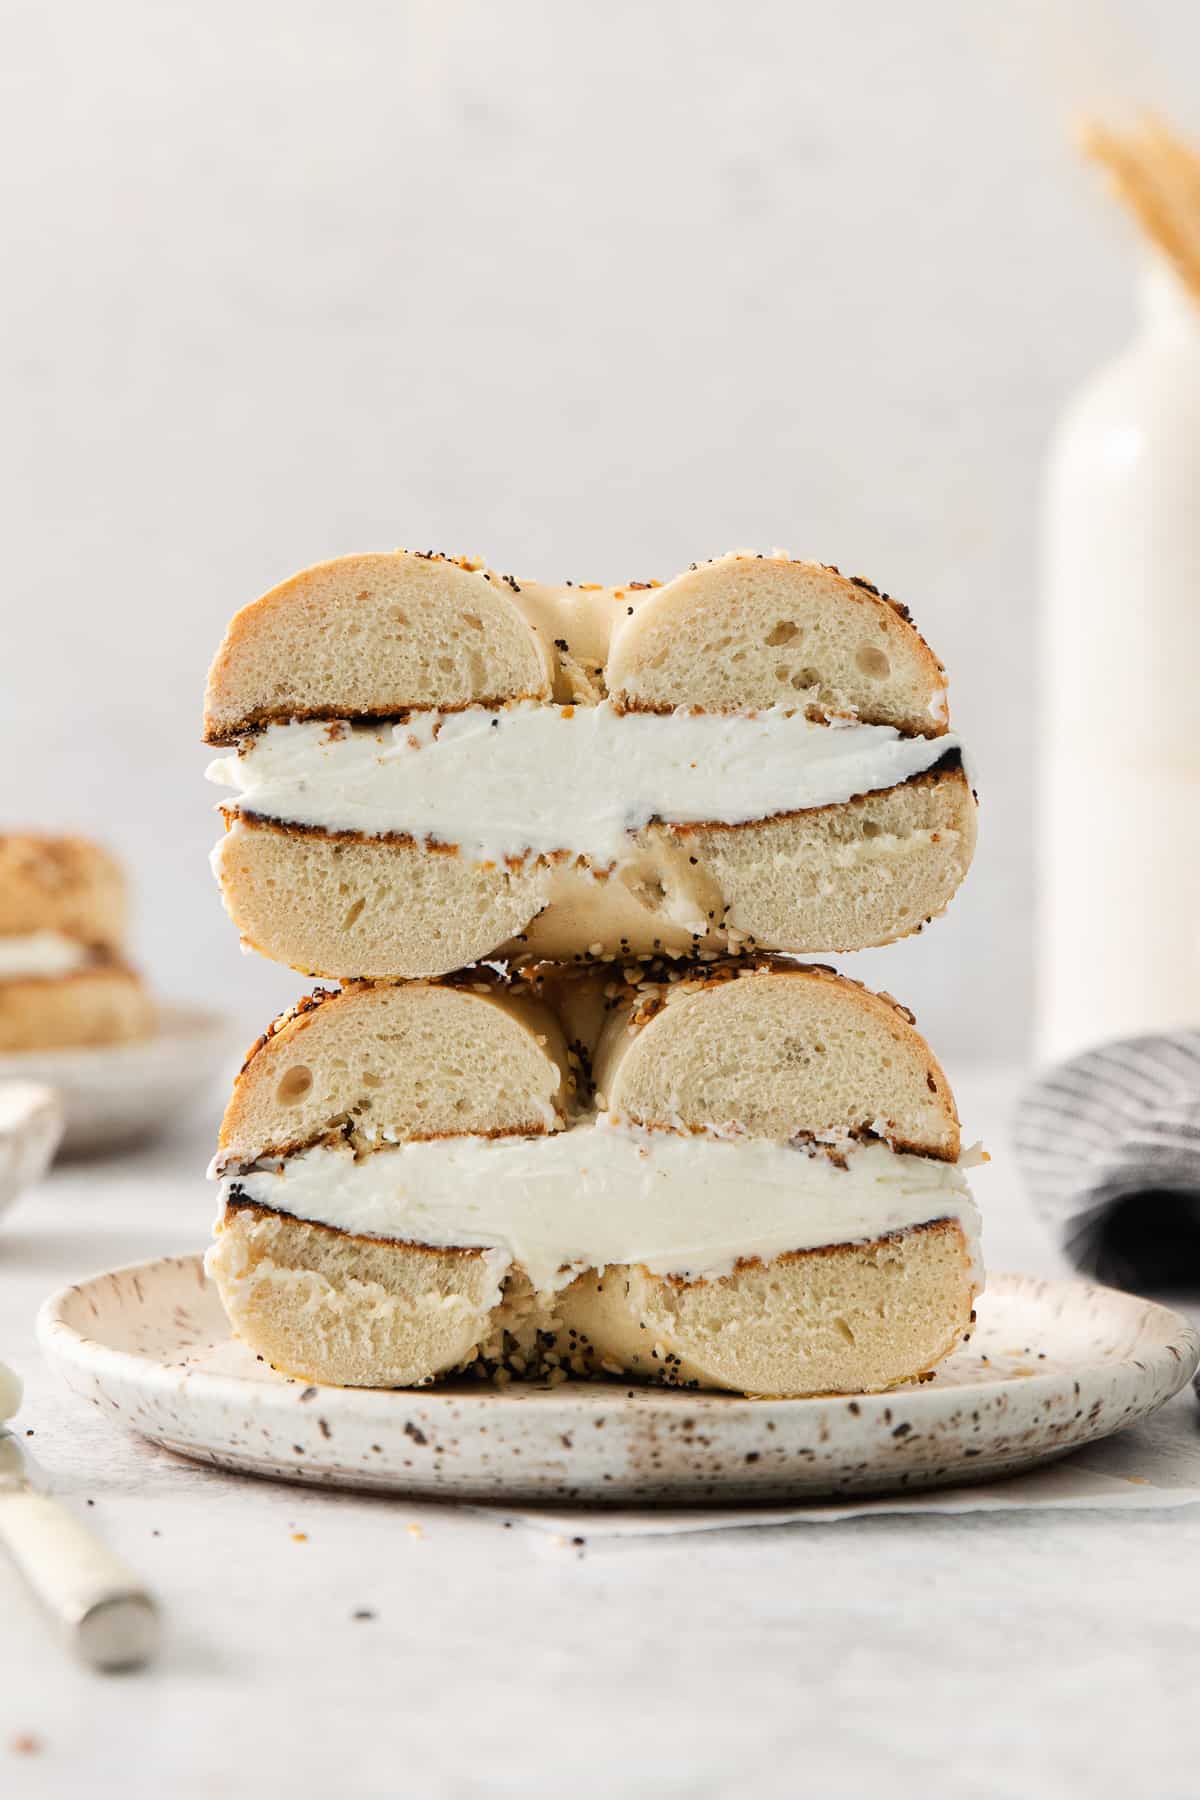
(1035, 1655)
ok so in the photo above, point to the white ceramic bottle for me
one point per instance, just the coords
(1119, 792)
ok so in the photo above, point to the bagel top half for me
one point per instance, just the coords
(372, 637)
(753, 1048)
(65, 885)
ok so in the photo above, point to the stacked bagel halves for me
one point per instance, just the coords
(436, 765)
(65, 982)
(640, 1140)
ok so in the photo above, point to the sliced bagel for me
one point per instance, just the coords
(755, 754)
(350, 1311)
(101, 1003)
(415, 1181)
(389, 1063)
(748, 630)
(64, 885)
(755, 1048)
(63, 917)
(367, 1067)
(773, 1049)
(359, 907)
(840, 878)
(834, 878)
(849, 1318)
(371, 637)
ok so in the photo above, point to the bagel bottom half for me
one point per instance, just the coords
(846, 1318)
(355, 1312)
(833, 878)
(107, 1004)
(351, 1311)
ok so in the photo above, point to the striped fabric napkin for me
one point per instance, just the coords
(1109, 1145)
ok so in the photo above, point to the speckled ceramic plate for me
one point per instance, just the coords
(114, 1094)
(1052, 1365)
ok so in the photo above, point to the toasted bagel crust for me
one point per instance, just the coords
(104, 1004)
(774, 1049)
(377, 635)
(63, 884)
(771, 1047)
(371, 637)
(748, 630)
(393, 1062)
(833, 878)
(360, 1312)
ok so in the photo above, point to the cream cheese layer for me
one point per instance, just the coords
(532, 777)
(41, 953)
(599, 1195)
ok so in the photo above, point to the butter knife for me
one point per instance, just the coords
(98, 1603)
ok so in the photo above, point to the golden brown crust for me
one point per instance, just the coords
(345, 1133)
(554, 672)
(647, 985)
(259, 717)
(479, 981)
(848, 1318)
(100, 1005)
(236, 1202)
(307, 1003)
(657, 1025)
(63, 884)
(812, 1253)
(819, 881)
(627, 1000)
(689, 608)
(293, 828)
(397, 1061)
(947, 768)
(326, 1305)
(325, 600)
(646, 980)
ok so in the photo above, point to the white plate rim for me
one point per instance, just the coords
(124, 1093)
(849, 1424)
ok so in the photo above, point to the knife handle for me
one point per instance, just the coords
(93, 1597)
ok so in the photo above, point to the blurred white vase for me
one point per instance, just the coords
(1119, 789)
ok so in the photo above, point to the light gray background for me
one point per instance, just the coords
(588, 289)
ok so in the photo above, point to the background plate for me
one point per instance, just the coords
(1053, 1364)
(115, 1094)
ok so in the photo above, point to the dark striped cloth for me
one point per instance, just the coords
(1109, 1145)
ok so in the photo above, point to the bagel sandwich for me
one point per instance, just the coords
(430, 765)
(743, 1175)
(64, 981)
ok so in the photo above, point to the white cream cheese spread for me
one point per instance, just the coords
(598, 1195)
(41, 953)
(532, 777)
